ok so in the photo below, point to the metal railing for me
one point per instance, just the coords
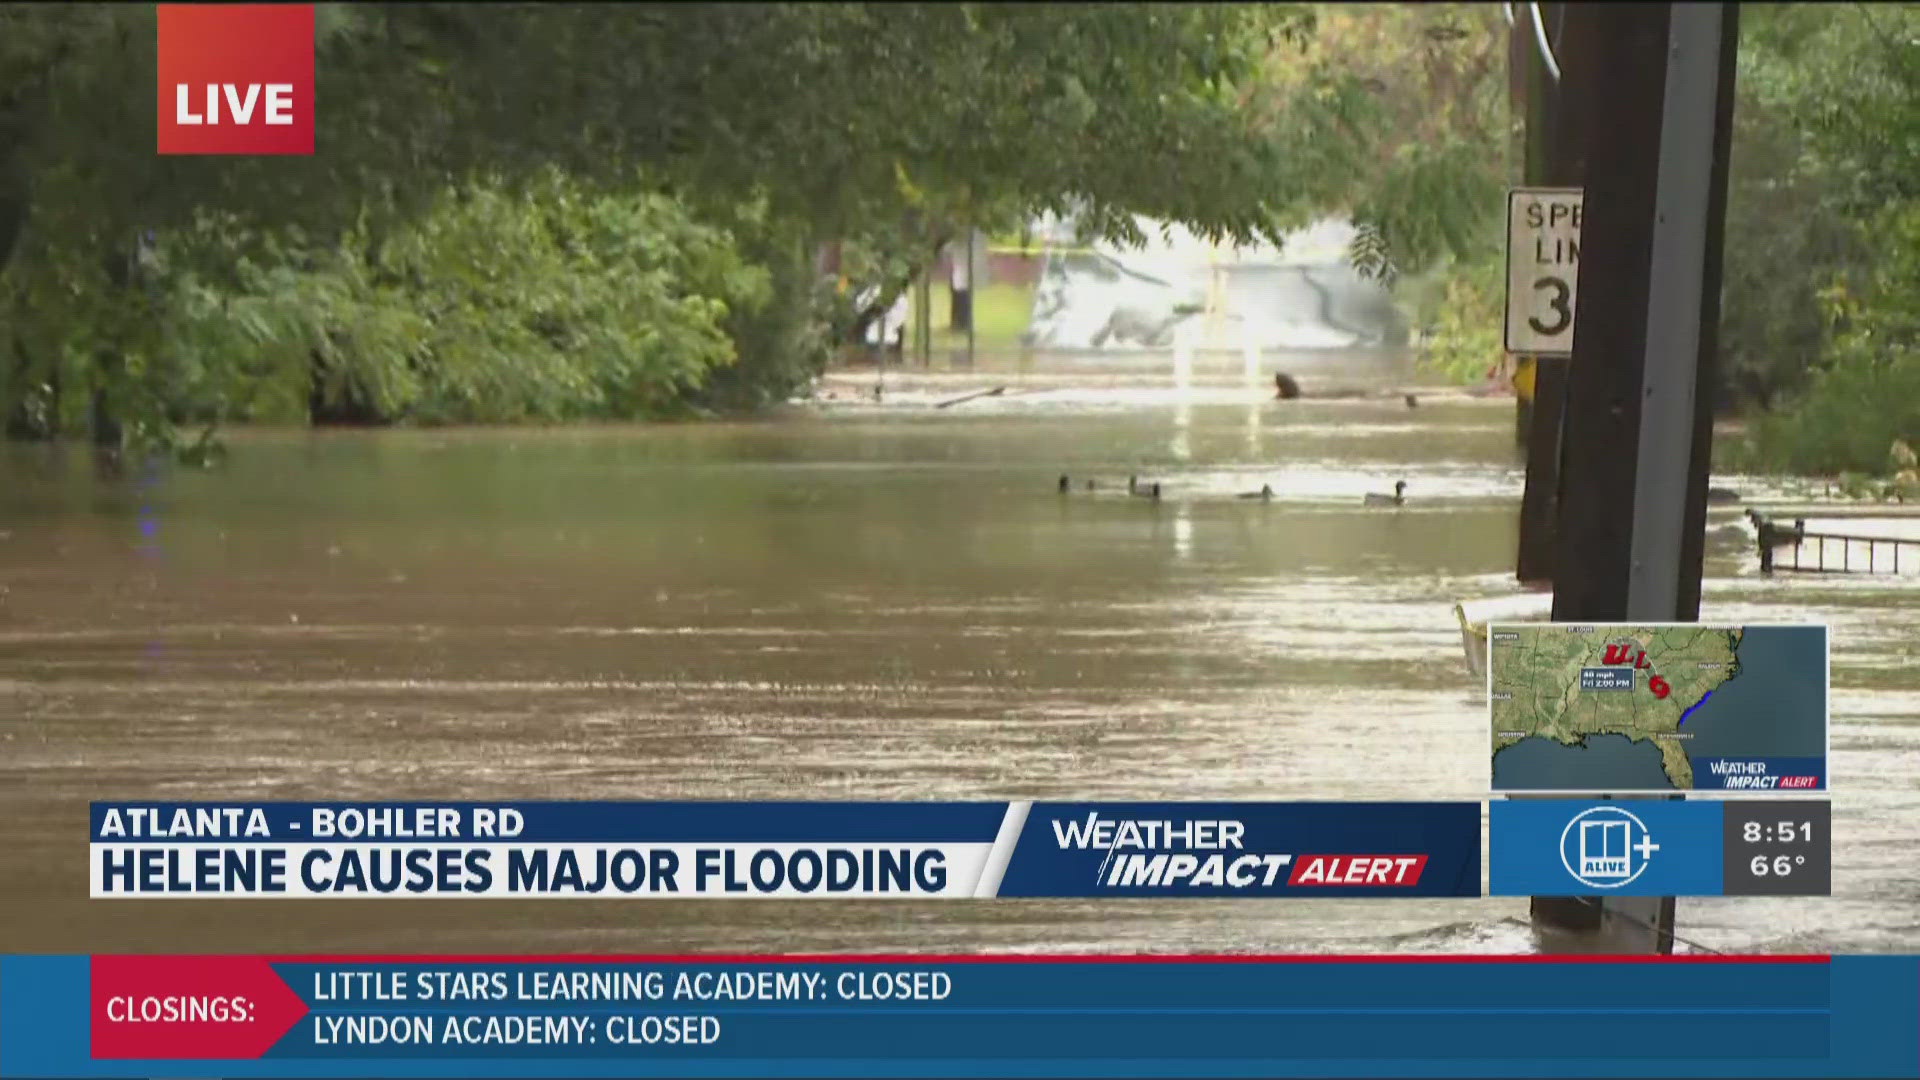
(1793, 549)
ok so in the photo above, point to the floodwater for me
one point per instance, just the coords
(888, 602)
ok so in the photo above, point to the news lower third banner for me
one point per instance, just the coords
(1059, 1016)
(783, 850)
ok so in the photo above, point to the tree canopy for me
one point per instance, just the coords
(1822, 282)
(730, 140)
(781, 124)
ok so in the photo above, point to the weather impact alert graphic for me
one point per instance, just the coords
(1658, 707)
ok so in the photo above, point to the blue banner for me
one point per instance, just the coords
(557, 850)
(1061, 1016)
(547, 822)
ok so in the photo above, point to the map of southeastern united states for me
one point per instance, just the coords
(1536, 676)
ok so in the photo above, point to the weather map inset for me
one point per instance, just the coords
(1652, 707)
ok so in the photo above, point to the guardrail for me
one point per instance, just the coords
(1879, 554)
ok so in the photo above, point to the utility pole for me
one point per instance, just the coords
(923, 315)
(960, 285)
(1523, 67)
(1557, 114)
(1639, 424)
(973, 274)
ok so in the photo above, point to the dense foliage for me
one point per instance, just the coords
(546, 303)
(1422, 92)
(525, 212)
(1823, 272)
(1821, 279)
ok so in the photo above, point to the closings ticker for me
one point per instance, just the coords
(1543, 269)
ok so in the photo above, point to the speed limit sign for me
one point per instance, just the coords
(1543, 269)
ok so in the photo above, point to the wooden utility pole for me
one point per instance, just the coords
(1638, 428)
(1646, 347)
(1524, 71)
(923, 316)
(974, 277)
(1557, 113)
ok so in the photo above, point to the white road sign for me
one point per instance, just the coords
(1543, 269)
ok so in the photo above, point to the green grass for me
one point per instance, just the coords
(1000, 315)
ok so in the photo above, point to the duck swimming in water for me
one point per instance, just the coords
(1265, 494)
(1412, 402)
(1398, 498)
(1285, 389)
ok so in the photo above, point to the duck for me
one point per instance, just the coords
(1066, 485)
(1285, 389)
(1265, 494)
(1144, 491)
(1398, 498)
(1412, 402)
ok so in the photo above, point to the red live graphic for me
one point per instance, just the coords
(1623, 654)
(235, 79)
(189, 1007)
(1336, 870)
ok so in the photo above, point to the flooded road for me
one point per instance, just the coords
(884, 603)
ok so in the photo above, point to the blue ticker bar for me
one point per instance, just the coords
(1221, 1016)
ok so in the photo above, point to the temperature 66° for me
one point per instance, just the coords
(1780, 866)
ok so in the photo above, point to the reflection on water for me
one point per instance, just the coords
(890, 605)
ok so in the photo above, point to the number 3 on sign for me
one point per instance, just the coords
(1562, 314)
(1543, 269)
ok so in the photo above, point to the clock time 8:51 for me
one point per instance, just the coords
(1782, 832)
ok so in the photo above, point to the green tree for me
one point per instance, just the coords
(547, 303)
(1822, 226)
(1792, 220)
(782, 125)
(1414, 134)
(831, 117)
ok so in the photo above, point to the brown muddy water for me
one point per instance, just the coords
(844, 602)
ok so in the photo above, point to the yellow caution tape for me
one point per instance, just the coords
(1008, 249)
